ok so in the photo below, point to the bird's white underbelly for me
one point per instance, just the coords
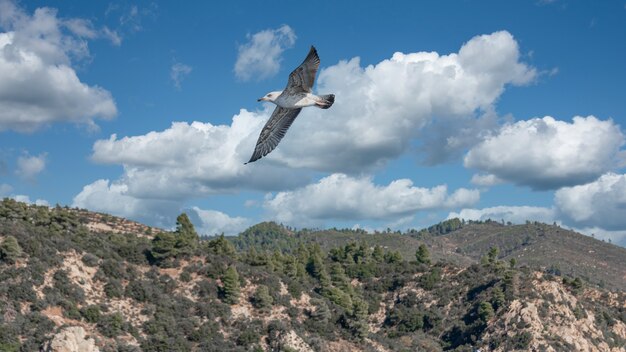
(297, 100)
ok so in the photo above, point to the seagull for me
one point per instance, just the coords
(289, 103)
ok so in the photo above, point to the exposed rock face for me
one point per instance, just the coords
(71, 339)
(293, 341)
(550, 316)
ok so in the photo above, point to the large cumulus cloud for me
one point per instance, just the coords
(39, 85)
(545, 153)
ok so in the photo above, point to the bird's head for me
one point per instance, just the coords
(271, 96)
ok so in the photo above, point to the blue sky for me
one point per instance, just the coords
(478, 109)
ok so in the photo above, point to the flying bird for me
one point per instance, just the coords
(289, 102)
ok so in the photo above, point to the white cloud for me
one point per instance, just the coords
(601, 203)
(342, 197)
(514, 214)
(548, 154)
(260, 57)
(5, 192)
(214, 222)
(26, 199)
(178, 72)
(616, 237)
(595, 208)
(485, 180)
(38, 84)
(195, 159)
(28, 167)
(380, 109)
(113, 198)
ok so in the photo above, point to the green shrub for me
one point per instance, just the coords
(110, 325)
(10, 250)
(91, 314)
(114, 289)
(185, 276)
(90, 260)
(262, 298)
(136, 291)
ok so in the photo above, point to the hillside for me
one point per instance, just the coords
(541, 246)
(274, 289)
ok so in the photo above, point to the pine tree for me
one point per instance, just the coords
(358, 321)
(221, 246)
(10, 250)
(262, 298)
(322, 312)
(484, 260)
(315, 265)
(485, 311)
(339, 278)
(184, 227)
(511, 284)
(187, 238)
(497, 299)
(164, 246)
(492, 255)
(378, 254)
(290, 267)
(338, 297)
(231, 289)
(393, 257)
(422, 255)
(362, 253)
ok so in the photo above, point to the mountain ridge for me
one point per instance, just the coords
(278, 289)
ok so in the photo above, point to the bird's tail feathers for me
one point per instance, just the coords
(327, 101)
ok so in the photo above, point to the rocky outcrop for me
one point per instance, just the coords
(295, 342)
(71, 339)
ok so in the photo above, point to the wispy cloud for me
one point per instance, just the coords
(28, 167)
(112, 35)
(129, 19)
(81, 27)
(546, 2)
(178, 72)
(260, 57)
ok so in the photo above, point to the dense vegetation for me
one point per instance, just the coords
(249, 293)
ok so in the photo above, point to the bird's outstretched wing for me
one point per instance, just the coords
(273, 131)
(303, 77)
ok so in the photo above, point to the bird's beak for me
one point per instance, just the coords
(261, 99)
